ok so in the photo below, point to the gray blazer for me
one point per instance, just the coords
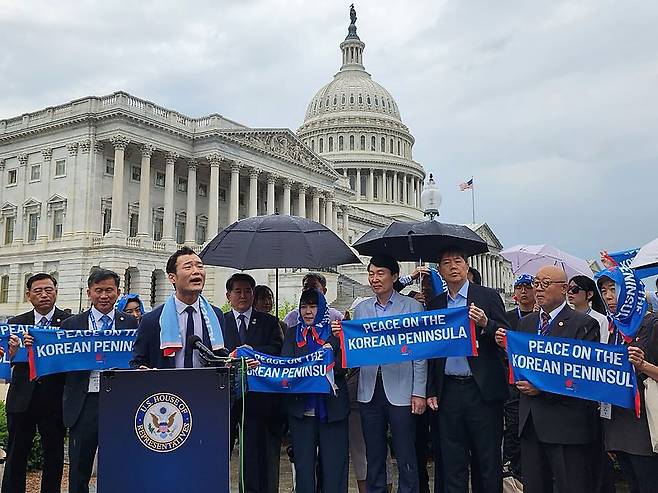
(401, 380)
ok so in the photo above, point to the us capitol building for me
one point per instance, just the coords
(120, 182)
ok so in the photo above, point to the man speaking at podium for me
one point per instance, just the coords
(163, 333)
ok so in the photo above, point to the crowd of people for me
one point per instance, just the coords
(461, 412)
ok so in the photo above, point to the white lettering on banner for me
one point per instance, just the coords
(59, 348)
(438, 334)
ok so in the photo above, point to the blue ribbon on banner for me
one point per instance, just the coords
(409, 337)
(624, 259)
(582, 369)
(309, 374)
(57, 351)
(21, 354)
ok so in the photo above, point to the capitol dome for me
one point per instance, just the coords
(355, 123)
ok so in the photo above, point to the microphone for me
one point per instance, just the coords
(196, 343)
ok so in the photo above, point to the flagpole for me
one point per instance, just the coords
(473, 199)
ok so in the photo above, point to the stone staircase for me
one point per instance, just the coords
(348, 289)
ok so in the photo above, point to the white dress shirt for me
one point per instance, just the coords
(247, 318)
(96, 324)
(49, 316)
(552, 314)
(182, 329)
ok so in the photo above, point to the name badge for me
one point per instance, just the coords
(605, 410)
(94, 382)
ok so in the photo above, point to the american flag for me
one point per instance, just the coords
(466, 185)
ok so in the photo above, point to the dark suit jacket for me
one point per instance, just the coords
(338, 406)
(77, 382)
(488, 368)
(513, 318)
(20, 389)
(559, 419)
(146, 350)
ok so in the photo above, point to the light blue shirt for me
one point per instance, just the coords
(458, 366)
(387, 308)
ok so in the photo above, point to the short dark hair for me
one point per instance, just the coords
(100, 275)
(477, 277)
(315, 276)
(39, 277)
(386, 261)
(453, 251)
(171, 263)
(309, 297)
(261, 291)
(240, 276)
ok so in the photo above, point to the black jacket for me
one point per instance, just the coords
(488, 366)
(560, 419)
(20, 388)
(77, 382)
(146, 350)
(338, 406)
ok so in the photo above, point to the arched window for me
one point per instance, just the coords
(351, 142)
(331, 144)
(327, 102)
(390, 149)
(368, 100)
(382, 147)
(340, 143)
(363, 142)
(360, 99)
(321, 144)
(351, 98)
(335, 100)
(315, 106)
(342, 99)
(373, 145)
(320, 104)
(313, 145)
(398, 147)
(376, 101)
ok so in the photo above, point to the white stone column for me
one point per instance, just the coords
(72, 197)
(490, 274)
(396, 191)
(271, 198)
(190, 215)
(234, 207)
(371, 185)
(405, 190)
(213, 195)
(301, 201)
(385, 186)
(169, 220)
(329, 212)
(419, 191)
(253, 192)
(316, 205)
(357, 184)
(323, 210)
(120, 143)
(334, 217)
(286, 196)
(143, 230)
(346, 224)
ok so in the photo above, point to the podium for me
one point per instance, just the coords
(164, 431)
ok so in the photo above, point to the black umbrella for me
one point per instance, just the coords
(275, 241)
(420, 241)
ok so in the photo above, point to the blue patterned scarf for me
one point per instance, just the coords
(631, 301)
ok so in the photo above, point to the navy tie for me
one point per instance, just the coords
(545, 324)
(189, 332)
(43, 322)
(242, 329)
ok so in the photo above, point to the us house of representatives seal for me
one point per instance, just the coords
(163, 422)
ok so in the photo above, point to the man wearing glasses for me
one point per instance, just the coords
(557, 432)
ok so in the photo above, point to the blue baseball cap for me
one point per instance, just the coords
(523, 279)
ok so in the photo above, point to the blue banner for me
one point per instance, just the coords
(21, 354)
(582, 369)
(58, 350)
(310, 374)
(624, 259)
(409, 337)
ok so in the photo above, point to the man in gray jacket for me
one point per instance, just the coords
(389, 395)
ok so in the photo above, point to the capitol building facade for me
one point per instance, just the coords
(120, 182)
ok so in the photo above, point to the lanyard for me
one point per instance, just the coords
(92, 320)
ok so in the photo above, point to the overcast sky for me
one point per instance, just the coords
(550, 105)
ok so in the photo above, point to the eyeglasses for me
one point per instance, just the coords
(545, 283)
(574, 289)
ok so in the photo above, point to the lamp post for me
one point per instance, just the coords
(430, 199)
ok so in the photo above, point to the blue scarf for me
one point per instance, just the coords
(439, 285)
(124, 299)
(631, 301)
(170, 338)
(315, 336)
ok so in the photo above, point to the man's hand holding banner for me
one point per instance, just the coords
(582, 369)
(21, 355)
(309, 374)
(409, 337)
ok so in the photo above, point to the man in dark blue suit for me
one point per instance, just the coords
(80, 403)
(188, 276)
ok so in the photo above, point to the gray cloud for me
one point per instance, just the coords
(550, 105)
